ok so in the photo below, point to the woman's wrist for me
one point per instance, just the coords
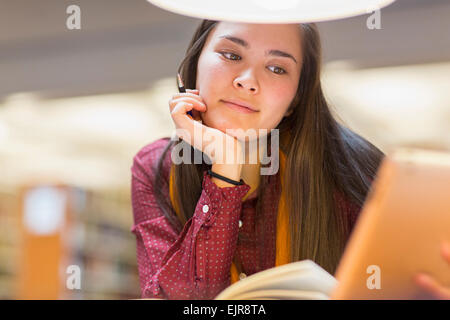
(231, 171)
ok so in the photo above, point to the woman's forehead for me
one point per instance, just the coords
(280, 36)
(255, 28)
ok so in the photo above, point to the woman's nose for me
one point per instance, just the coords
(248, 83)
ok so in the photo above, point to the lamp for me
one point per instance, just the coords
(271, 11)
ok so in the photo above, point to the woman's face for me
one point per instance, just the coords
(246, 71)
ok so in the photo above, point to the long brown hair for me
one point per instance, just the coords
(323, 158)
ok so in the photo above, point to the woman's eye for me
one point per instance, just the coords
(278, 68)
(235, 55)
(232, 54)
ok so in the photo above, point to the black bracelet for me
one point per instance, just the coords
(218, 176)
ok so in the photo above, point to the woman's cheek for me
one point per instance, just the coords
(213, 118)
(269, 121)
(212, 66)
(283, 94)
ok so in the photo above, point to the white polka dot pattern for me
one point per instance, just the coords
(195, 264)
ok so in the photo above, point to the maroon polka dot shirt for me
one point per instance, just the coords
(195, 264)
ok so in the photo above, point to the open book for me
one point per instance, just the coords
(301, 280)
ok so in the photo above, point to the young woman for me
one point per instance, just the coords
(198, 231)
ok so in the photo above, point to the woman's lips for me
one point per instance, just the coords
(237, 107)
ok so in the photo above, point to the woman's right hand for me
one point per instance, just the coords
(213, 142)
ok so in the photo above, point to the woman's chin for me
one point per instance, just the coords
(242, 133)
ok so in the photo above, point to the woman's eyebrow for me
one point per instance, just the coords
(245, 44)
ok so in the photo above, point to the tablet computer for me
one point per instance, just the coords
(399, 232)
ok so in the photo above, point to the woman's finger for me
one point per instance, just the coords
(198, 105)
(430, 285)
(182, 119)
(182, 96)
(446, 251)
(190, 99)
(181, 108)
(195, 113)
(188, 129)
(183, 122)
(188, 93)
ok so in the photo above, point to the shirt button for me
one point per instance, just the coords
(242, 276)
(205, 208)
(240, 223)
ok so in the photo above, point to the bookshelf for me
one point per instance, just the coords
(96, 237)
(9, 241)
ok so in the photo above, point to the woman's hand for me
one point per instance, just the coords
(430, 284)
(213, 142)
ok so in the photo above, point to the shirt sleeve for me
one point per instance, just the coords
(194, 264)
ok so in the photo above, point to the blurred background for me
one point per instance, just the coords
(77, 105)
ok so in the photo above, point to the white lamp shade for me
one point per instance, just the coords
(271, 11)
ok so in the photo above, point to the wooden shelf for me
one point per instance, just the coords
(97, 238)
